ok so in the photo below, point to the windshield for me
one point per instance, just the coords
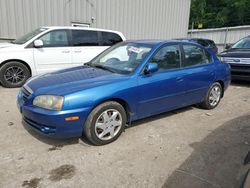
(28, 36)
(243, 43)
(122, 58)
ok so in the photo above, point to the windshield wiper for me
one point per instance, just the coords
(103, 67)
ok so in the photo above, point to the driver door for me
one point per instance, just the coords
(55, 53)
(165, 89)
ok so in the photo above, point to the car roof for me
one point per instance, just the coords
(154, 42)
(194, 39)
(82, 28)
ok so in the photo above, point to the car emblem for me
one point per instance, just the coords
(236, 60)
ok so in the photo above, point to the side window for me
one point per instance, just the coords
(56, 38)
(167, 57)
(109, 39)
(84, 38)
(195, 55)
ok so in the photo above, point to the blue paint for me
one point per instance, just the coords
(85, 87)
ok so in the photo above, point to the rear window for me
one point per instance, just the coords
(84, 38)
(203, 42)
(109, 39)
(211, 42)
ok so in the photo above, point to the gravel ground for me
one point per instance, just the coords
(189, 147)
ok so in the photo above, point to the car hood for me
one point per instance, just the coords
(6, 45)
(9, 47)
(72, 80)
(238, 53)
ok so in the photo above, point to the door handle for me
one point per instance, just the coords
(65, 51)
(78, 51)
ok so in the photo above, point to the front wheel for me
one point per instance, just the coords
(105, 123)
(213, 96)
(14, 74)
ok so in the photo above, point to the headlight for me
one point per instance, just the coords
(50, 102)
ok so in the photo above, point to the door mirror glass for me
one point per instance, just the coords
(38, 43)
(151, 68)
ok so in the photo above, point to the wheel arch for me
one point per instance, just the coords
(17, 60)
(122, 102)
(222, 86)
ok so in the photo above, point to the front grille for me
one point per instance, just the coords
(26, 93)
(238, 69)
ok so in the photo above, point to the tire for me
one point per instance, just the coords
(213, 96)
(14, 74)
(107, 118)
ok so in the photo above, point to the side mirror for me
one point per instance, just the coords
(228, 46)
(151, 68)
(38, 43)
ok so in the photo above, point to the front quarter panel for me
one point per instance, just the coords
(90, 98)
(18, 54)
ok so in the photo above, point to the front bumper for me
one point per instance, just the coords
(240, 71)
(52, 123)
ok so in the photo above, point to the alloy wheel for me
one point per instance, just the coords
(108, 124)
(14, 75)
(215, 95)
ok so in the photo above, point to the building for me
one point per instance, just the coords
(136, 19)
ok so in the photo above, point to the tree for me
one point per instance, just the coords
(220, 13)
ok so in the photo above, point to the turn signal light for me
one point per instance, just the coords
(72, 118)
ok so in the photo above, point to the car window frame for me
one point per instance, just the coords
(71, 37)
(164, 70)
(197, 65)
(101, 37)
(31, 44)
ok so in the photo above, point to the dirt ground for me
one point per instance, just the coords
(189, 147)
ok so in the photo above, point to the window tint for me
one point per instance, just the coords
(56, 38)
(109, 39)
(211, 42)
(84, 38)
(167, 57)
(202, 42)
(195, 55)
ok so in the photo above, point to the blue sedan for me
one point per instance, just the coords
(129, 81)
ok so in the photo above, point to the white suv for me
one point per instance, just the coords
(51, 48)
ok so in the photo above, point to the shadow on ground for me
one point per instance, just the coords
(63, 142)
(160, 116)
(56, 142)
(217, 161)
(240, 83)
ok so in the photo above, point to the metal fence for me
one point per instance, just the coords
(221, 36)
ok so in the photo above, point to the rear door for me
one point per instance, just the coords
(85, 46)
(199, 72)
(55, 53)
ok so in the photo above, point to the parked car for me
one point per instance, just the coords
(129, 81)
(207, 43)
(49, 49)
(238, 56)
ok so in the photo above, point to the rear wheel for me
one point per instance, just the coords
(14, 74)
(213, 96)
(105, 123)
